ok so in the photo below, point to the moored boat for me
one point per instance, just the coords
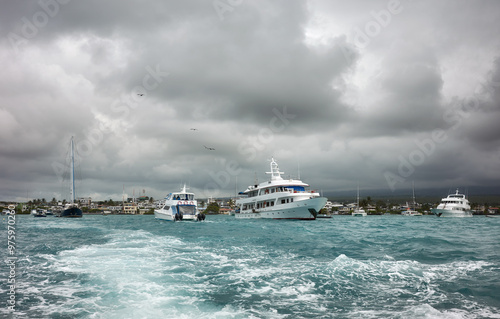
(179, 206)
(454, 205)
(411, 210)
(39, 213)
(358, 212)
(279, 199)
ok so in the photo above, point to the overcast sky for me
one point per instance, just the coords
(375, 93)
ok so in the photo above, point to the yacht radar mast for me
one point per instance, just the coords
(275, 171)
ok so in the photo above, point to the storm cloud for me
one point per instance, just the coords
(375, 93)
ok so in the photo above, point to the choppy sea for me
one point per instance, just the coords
(344, 267)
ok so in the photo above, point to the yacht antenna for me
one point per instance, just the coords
(236, 186)
(275, 172)
(298, 169)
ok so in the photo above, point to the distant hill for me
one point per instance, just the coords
(475, 195)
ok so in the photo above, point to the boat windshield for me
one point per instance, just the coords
(183, 197)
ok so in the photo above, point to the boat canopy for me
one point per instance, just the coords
(180, 196)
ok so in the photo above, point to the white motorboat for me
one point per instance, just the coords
(179, 206)
(40, 213)
(455, 205)
(279, 199)
(358, 212)
(411, 212)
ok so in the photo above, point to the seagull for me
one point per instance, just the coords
(209, 148)
(140, 94)
(193, 129)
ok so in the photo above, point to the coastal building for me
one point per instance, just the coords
(345, 210)
(85, 202)
(225, 210)
(130, 208)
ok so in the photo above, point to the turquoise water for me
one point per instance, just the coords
(343, 267)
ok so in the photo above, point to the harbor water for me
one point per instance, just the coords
(344, 267)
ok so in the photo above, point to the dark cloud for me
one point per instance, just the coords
(325, 86)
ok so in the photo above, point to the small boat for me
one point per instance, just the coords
(179, 206)
(411, 211)
(71, 210)
(39, 213)
(358, 212)
(455, 205)
(493, 216)
(279, 199)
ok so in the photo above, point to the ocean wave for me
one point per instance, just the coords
(239, 270)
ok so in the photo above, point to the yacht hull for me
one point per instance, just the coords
(411, 213)
(303, 210)
(359, 214)
(73, 212)
(451, 213)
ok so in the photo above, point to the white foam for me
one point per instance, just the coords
(141, 275)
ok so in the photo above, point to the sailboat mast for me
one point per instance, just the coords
(413, 190)
(72, 172)
(357, 199)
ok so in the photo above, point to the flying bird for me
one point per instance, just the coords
(140, 94)
(193, 129)
(209, 148)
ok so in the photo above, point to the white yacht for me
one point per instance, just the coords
(279, 198)
(358, 212)
(40, 213)
(455, 205)
(179, 206)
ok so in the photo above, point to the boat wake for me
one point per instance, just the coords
(109, 267)
(137, 274)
